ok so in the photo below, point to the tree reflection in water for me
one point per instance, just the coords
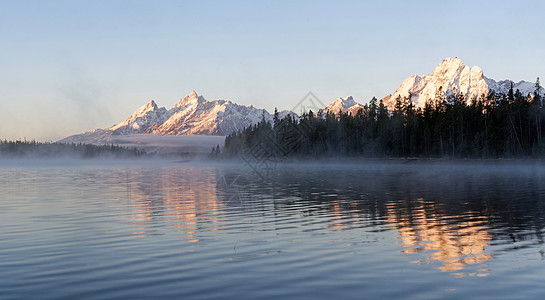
(458, 216)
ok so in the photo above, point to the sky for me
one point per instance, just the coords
(68, 67)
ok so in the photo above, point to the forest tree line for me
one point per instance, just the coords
(25, 148)
(492, 126)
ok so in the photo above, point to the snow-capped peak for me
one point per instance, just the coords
(448, 68)
(191, 99)
(150, 106)
(451, 76)
(191, 115)
(141, 119)
(348, 102)
(340, 104)
(348, 105)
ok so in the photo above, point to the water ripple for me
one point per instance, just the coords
(103, 232)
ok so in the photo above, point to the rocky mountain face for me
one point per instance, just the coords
(192, 115)
(341, 105)
(451, 76)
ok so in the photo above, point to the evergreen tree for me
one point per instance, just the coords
(493, 126)
(537, 93)
(510, 94)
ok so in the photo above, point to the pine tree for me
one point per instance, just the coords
(510, 94)
(537, 93)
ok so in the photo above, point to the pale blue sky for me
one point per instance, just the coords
(72, 66)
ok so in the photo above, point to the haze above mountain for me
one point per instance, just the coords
(193, 115)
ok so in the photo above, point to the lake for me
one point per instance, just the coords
(348, 230)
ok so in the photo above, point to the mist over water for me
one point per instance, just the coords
(315, 230)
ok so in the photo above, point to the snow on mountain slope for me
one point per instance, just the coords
(96, 137)
(142, 119)
(347, 105)
(192, 115)
(503, 86)
(452, 76)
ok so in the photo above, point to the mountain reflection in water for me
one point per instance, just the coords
(448, 214)
(164, 230)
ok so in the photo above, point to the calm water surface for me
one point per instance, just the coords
(346, 231)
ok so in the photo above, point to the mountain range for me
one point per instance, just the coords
(451, 76)
(194, 115)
